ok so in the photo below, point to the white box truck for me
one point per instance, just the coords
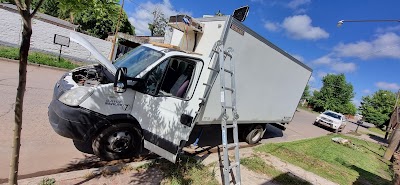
(153, 96)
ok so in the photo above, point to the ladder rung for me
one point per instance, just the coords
(232, 145)
(228, 71)
(227, 54)
(230, 126)
(229, 89)
(206, 84)
(212, 69)
(227, 107)
(233, 165)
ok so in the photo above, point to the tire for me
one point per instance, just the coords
(254, 134)
(118, 141)
(85, 147)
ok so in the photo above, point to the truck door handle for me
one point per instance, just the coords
(186, 120)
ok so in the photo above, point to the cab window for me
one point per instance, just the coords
(173, 77)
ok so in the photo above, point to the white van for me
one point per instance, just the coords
(153, 96)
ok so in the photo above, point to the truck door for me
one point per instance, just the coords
(166, 104)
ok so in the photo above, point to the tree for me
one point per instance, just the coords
(157, 27)
(377, 108)
(335, 95)
(24, 8)
(306, 94)
(99, 20)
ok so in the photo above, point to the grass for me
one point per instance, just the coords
(184, 172)
(377, 131)
(47, 181)
(38, 58)
(360, 164)
(307, 109)
(258, 165)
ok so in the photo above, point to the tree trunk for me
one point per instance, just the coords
(19, 101)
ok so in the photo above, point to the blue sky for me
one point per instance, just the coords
(367, 53)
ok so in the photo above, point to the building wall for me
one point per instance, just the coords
(43, 37)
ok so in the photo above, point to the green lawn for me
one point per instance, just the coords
(362, 164)
(258, 165)
(38, 58)
(307, 109)
(377, 131)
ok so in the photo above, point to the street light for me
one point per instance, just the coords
(340, 23)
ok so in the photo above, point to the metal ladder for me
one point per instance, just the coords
(227, 165)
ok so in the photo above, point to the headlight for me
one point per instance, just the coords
(76, 96)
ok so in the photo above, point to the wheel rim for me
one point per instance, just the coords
(119, 141)
(257, 135)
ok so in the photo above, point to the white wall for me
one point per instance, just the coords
(43, 36)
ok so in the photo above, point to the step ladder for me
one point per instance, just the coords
(227, 88)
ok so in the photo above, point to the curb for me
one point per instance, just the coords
(34, 64)
(82, 173)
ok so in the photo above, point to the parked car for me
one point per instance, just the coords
(333, 120)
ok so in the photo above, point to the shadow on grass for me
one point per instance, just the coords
(289, 178)
(377, 138)
(368, 178)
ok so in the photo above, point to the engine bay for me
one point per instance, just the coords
(91, 76)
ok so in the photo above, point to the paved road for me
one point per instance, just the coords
(43, 150)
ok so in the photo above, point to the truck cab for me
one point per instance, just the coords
(147, 98)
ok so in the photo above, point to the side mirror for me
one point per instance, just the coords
(120, 82)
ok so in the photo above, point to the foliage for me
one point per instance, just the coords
(376, 108)
(99, 20)
(335, 162)
(185, 171)
(378, 131)
(47, 181)
(306, 94)
(159, 23)
(335, 95)
(37, 58)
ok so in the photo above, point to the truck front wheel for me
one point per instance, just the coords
(254, 133)
(118, 141)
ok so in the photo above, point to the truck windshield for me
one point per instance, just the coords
(331, 114)
(138, 60)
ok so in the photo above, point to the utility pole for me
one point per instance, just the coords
(116, 31)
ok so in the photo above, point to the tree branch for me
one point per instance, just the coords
(37, 8)
(19, 5)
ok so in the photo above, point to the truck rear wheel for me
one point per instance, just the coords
(254, 133)
(118, 141)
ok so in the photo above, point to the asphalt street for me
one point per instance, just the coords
(42, 150)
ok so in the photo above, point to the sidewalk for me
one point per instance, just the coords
(130, 173)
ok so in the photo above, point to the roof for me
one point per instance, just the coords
(42, 17)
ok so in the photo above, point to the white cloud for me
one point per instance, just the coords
(299, 27)
(366, 91)
(294, 4)
(356, 102)
(272, 26)
(142, 15)
(312, 79)
(321, 74)
(389, 29)
(298, 57)
(387, 86)
(385, 45)
(335, 64)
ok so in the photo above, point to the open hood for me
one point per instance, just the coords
(86, 44)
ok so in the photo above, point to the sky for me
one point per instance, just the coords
(368, 53)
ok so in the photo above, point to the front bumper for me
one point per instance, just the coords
(73, 122)
(327, 124)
